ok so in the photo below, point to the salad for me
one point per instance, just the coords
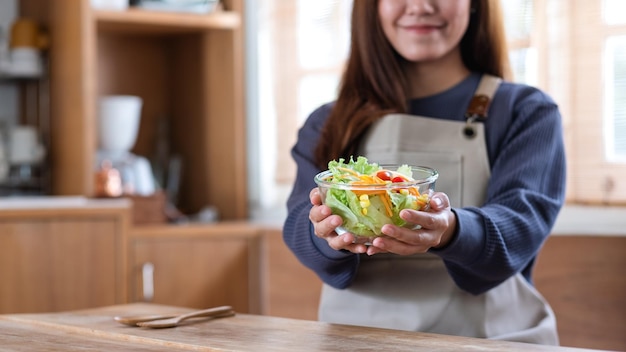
(368, 196)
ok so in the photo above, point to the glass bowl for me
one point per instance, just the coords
(365, 207)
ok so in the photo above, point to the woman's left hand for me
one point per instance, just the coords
(438, 226)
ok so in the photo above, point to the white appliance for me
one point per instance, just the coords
(118, 126)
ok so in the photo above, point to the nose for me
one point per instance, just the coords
(419, 7)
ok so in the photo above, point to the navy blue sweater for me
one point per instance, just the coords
(493, 242)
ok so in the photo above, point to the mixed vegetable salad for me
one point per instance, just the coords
(368, 196)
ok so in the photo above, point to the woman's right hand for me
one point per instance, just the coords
(324, 225)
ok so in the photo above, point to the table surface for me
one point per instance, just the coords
(95, 329)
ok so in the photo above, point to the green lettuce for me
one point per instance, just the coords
(345, 203)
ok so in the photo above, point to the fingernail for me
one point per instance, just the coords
(438, 202)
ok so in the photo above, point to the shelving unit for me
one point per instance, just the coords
(139, 20)
(33, 107)
(188, 69)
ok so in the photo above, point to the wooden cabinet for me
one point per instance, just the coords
(582, 277)
(62, 258)
(290, 290)
(189, 71)
(196, 266)
(187, 68)
(57, 257)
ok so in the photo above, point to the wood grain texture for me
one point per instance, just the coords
(54, 260)
(95, 329)
(198, 266)
(290, 290)
(584, 279)
(156, 22)
(225, 133)
(73, 63)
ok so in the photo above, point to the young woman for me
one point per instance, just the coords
(424, 85)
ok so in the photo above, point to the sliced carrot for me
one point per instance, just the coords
(387, 203)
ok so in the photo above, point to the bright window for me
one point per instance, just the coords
(615, 99)
(613, 11)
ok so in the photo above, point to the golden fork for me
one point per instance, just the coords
(217, 312)
(137, 320)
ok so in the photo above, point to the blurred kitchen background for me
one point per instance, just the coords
(575, 50)
(213, 93)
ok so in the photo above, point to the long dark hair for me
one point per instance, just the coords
(373, 83)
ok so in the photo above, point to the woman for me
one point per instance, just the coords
(423, 85)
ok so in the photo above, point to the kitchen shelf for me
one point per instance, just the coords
(229, 229)
(157, 22)
(12, 77)
(189, 70)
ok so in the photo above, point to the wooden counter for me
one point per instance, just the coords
(62, 253)
(95, 329)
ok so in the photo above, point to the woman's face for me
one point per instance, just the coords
(424, 30)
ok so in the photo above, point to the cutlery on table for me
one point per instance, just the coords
(217, 312)
(171, 320)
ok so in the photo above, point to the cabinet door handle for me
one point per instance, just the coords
(147, 273)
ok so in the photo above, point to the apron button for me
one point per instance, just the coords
(469, 132)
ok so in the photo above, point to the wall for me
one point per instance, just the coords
(591, 220)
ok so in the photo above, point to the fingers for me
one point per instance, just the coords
(321, 216)
(346, 242)
(322, 219)
(439, 201)
(325, 223)
(433, 225)
(403, 241)
(315, 197)
(431, 229)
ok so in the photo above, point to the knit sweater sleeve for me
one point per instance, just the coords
(524, 195)
(336, 268)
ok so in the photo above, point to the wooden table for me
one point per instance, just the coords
(95, 329)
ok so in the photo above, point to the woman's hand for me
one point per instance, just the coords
(325, 224)
(438, 227)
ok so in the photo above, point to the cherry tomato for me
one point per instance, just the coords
(384, 175)
(397, 179)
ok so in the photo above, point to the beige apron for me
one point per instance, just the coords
(415, 292)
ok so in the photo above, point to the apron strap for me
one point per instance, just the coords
(479, 105)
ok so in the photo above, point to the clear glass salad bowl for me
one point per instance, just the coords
(374, 196)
